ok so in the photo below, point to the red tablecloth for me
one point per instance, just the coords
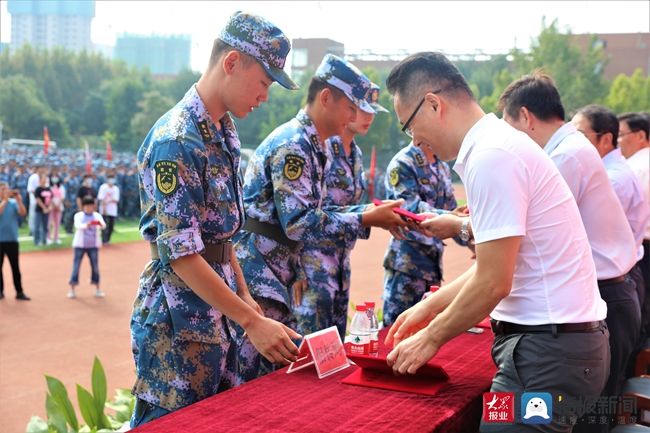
(300, 402)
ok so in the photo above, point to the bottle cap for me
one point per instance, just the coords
(370, 305)
(361, 307)
(434, 288)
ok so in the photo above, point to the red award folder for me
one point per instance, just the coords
(374, 372)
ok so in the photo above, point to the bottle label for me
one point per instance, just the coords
(360, 344)
(374, 342)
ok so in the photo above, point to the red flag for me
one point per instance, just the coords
(46, 140)
(89, 163)
(371, 181)
(109, 151)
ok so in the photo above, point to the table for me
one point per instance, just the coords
(300, 402)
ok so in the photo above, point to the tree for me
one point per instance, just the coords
(24, 113)
(152, 106)
(124, 94)
(629, 93)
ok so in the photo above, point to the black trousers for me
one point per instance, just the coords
(108, 231)
(10, 249)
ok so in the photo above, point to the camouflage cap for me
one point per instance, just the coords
(257, 37)
(373, 98)
(347, 78)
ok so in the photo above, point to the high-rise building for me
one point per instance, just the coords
(51, 23)
(163, 55)
(306, 54)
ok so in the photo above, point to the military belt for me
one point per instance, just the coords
(271, 231)
(219, 253)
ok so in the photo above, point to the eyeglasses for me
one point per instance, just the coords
(406, 128)
(623, 134)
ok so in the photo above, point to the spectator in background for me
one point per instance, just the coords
(11, 210)
(87, 240)
(33, 183)
(58, 196)
(43, 199)
(85, 190)
(633, 139)
(109, 197)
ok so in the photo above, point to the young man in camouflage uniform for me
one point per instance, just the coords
(284, 190)
(414, 264)
(325, 287)
(183, 339)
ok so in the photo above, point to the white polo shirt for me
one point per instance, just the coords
(640, 164)
(611, 239)
(630, 195)
(513, 189)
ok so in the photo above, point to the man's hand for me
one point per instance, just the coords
(273, 340)
(413, 353)
(409, 322)
(383, 216)
(441, 226)
(299, 288)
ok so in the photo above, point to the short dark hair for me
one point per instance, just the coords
(219, 47)
(602, 120)
(315, 87)
(87, 200)
(537, 92)
(636, 122)
(426, 71)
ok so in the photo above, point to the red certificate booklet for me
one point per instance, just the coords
(374, 372)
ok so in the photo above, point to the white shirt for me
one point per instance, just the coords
(32, 183)
(630, 195)
(611, 239)
(513, 189)
(87, 235)
(108, 196)
(640, 164)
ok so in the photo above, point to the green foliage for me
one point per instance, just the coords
(629, 93)
(61, 417)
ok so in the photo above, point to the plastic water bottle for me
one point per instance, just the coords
(432, 290)
(360, 332)
(374, 327)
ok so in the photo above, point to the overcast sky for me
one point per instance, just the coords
(460, 27)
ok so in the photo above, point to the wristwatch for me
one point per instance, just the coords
(464, 230)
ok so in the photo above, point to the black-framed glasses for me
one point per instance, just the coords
(406, 128)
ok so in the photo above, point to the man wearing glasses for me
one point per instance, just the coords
(533, 273)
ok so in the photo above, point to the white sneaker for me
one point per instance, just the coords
(72, 294)
(99, 294)
(48, 242)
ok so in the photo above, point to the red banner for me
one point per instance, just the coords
(109, 151)
(89, 163)
(46, 140)
(371, 173)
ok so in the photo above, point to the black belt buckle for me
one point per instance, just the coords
(497, 327)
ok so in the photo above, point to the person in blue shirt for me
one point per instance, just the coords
(11, 210)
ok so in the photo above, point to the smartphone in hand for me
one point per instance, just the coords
(403, 213)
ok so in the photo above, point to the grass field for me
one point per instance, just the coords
(126, 230)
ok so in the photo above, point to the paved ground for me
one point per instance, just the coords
(57, 336)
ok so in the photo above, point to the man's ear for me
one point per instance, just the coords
(325, 96)
(433, 100)
(229, 61)
(526, 116)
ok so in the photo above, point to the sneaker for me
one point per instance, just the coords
(99, 294)
(23, 297)
(48, 242)
(58, 241)
(72, 294)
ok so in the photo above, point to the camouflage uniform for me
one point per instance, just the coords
(326, 265)
(414, 264)
(191, 197)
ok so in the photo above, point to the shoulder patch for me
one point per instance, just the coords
(204, 129)
(166, 176)
(424, 181)
(394, 176)
(293, 165)
(336, 147)
(419, 160)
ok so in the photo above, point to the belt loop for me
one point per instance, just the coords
(554, 330)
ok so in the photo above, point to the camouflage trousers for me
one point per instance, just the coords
(401, 292)
(251, 363)
(172, 373)
(323, 306)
